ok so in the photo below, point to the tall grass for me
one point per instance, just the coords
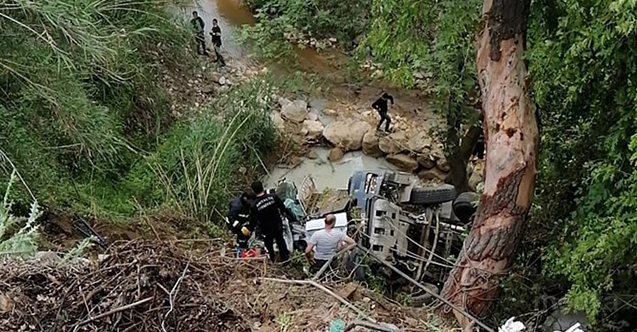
(79, 90)
(200, 164)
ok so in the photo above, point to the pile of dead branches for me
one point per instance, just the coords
(137, 286)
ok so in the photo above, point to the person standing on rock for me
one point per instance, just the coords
(381, 106)
(216, 41)
(198, 25)
(268, 211)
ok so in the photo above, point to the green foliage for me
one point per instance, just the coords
(79, 90)
(435, 37)
(267, 37)
(278, 19)
(198, 166)
(18, 236)
(582, 65)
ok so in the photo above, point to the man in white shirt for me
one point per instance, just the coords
(326, 243)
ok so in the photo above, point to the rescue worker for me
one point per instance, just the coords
(267, 211)
(239, 218)
(216, 41)
(325, 244)
(198, 25)
(380, 105)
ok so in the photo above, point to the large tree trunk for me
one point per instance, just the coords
(512, 141)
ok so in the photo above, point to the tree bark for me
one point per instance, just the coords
(512, 140)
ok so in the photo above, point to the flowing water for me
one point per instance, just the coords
(231, 15)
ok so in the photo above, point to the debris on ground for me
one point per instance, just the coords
(150, 286)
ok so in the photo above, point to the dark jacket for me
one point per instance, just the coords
(381, 104)
(198, 25)
(238, 214)
(216, 39)
(267, 211)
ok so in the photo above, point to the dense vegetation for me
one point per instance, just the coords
(87, 121)
(581, 56)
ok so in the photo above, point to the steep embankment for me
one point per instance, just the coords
(107, 111)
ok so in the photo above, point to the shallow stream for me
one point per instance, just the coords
(231, 15)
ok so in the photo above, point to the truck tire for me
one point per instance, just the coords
(432, 195)
(423, 298)
(463, 206)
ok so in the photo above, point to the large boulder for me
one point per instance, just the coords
(295, 111)
(347, 135)
(426, 161)
(443, 164)
(370, 145)
(277, 121)
(420, 143)
(335, 155)
(312, 129)
(312, 116)
(393, 144)
(433, 174)
(403, 162)
(284, 102)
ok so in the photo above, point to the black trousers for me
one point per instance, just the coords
(220, 58)
(384, 117)
(319, 263)
(201, 44)
(269, 239)
(242, 240)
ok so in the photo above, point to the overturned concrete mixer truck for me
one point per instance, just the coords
(417, 229)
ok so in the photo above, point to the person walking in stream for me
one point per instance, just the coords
(198, 25)
(381, 106)
(216, 41)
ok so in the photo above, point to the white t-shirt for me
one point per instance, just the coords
(326, 243)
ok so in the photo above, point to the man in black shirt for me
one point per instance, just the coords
(380, 105)
(267, 210)
(216, 41)
(198, 25)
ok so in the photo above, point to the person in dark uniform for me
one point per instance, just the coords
(268, 211)
(198, 25)
(381, 106)
(239, 218)
(216, 41)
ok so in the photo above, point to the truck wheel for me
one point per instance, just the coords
(432, 195)
(423, 298)
(463, 206)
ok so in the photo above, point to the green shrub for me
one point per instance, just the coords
(80, 95)
(198, 166)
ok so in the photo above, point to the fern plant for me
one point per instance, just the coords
(24, 240)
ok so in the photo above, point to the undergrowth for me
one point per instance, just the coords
(80, 98)
(87, 121)
(18, 236)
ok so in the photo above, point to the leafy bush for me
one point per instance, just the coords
(199, 164)
(582, 65)
(345, 20)
(79, 90)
